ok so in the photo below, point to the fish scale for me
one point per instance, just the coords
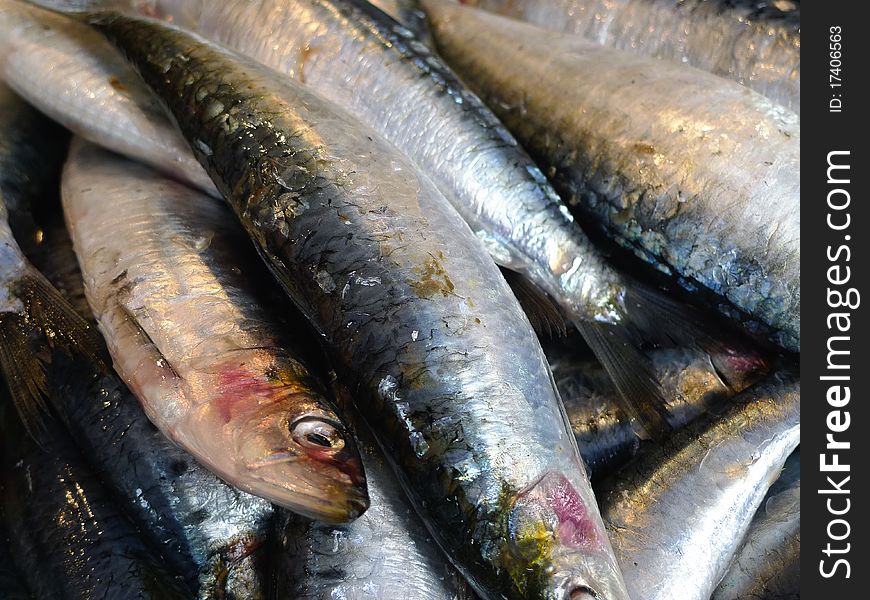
(328, 201)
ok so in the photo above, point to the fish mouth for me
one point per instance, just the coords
(320, 491)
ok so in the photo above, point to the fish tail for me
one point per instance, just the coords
(28, 339)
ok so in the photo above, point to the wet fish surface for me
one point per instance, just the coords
(703, 184)
(381, 73)
(753, 42)
(34, 319)
(714, 476)
(692, 380)
(77, 78)
(420, 324)
(768, 564)
(188, 333)
(72, 541)
(386, 554)
(213, 534)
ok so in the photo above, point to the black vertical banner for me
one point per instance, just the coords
(835, 426)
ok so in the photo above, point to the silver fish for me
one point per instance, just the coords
(753, 42)
(386, 554)
(768, 564)
(213, 369)
(693, 381)
(73, 75)
(695, 174)
(218, 537)
(418, 320)
(378, 71)
(677, 515)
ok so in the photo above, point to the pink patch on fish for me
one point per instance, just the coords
(575, 527)
(239, 392)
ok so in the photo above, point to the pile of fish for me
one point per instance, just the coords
(405, 300)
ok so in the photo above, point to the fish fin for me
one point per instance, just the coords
(544, 314)
(639, 394)
(27, 340)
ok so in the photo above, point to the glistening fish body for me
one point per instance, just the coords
(755, 43)
(419, 322)
(378, 71)
(713, 476)
(212, 533)
(213, 368)
(386, 554)
(768, 564)
(74, 76)
(703, 184)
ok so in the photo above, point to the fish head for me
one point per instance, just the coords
(556, 546)
(287, 442)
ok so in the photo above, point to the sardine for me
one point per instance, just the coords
(379, 72)
(692, 380)
(386, 554)
(696, 175)
(677, 515)
(419, 322)
(768, 564)
(77, 78)
(169, 282)
(753, 42)
(34, 318)
(71, 541)
(215, 535)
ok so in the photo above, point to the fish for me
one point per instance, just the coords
(377, 70)
(169, 283)
(704, 184)
(213, 534)
(34, 317)
(768, 564)
(73, 75)
(753, 42)
(692, 379)
(417, 321)
(678, 514)
(386, 554)
(71, 540)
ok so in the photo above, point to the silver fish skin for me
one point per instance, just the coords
(768, 564)
(386, 554)
(693, 381)
(378, 71)
(677, 515)
(754, 43)
(704, 184)
(214, 534)
(73, 75)
(418, 320)
(166, 276)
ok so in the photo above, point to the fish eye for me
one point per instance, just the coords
(317, 433)
(581, 593)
